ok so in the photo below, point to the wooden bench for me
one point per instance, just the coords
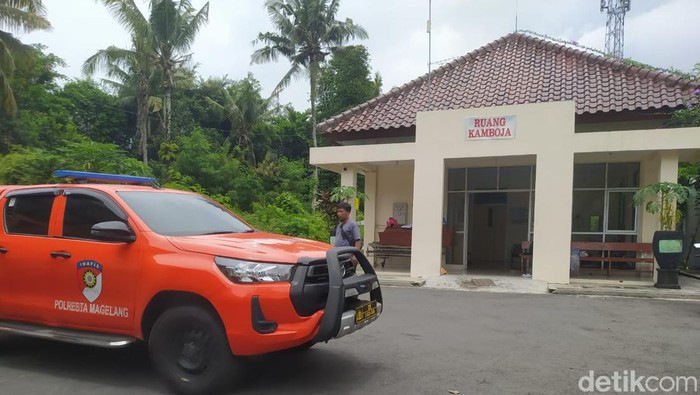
(385, 251)
(396, 242)
(611, 252)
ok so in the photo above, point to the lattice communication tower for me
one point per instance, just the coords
(615, 27)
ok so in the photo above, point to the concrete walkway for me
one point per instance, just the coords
(690, 286)
(488, 283)
(690, 289)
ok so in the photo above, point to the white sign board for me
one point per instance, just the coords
(399, 212)
(490, 128)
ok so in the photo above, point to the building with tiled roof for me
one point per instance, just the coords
(521, 140)
(519, 69)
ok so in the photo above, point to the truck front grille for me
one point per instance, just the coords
(318, 273)
(310, 284)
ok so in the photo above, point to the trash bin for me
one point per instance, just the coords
(575, 262)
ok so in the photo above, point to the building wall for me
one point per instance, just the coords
(545, 131)
(394, 185)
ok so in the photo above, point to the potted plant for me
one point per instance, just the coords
(663, 198)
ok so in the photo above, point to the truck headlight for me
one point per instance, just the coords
(254, 272)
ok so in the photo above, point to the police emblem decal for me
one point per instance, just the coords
(90, 279)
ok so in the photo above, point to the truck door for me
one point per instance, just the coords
(95, 280)
(26, 284)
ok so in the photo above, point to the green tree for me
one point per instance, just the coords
(95, 113)
(16, 16)
(290, 135)
(346, 81)
(306, 32)
(243, 106)
(281, 175)
(690, 115)
(43, 117)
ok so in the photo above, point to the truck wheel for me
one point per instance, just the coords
(189, 348)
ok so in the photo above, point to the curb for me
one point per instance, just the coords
(692, 275)
(632, 293)
(391, 282)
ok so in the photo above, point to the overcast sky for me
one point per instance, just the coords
(663, 33)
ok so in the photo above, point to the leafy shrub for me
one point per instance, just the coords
(286, 215)
(36, 165)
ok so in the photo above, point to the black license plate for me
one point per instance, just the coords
(365, 312)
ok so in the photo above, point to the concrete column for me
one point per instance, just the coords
(370, 207)
(666, 170)
(426, 243)
(553, 207)
(648, 223)
(668, 166)
(348, 178)
(661, 167)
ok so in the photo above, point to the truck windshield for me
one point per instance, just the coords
(179, 214)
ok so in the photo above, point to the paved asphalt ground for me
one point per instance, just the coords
(427, 342)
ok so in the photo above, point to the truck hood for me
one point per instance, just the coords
(256, 246)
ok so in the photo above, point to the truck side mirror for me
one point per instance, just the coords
(113, 231)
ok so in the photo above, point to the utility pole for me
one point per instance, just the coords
(615, 26)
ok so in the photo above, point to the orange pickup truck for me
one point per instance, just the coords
(119, 262)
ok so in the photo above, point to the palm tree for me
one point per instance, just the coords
(307, 32)
(130, 70)
(16, 15)
(169, 33)
(174, 26)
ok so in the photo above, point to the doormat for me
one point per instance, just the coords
(483, 282)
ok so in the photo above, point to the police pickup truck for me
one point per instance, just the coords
(109, 260)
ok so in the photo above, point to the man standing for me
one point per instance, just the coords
(347, 233)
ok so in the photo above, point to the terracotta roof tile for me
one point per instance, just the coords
(519, 69)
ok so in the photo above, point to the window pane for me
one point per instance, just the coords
(483, 178)
(82, 213)
(589, 176)
(518, 213)
(29, 214)
(458, 249)
(516, 177)
(623, 175)
(588, 211)
(491, 198)
(588, 237)
(455, 179)
(532, 213)
(455, 211)
(621, 238)
(621, 211)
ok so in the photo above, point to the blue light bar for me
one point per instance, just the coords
(104, 177)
